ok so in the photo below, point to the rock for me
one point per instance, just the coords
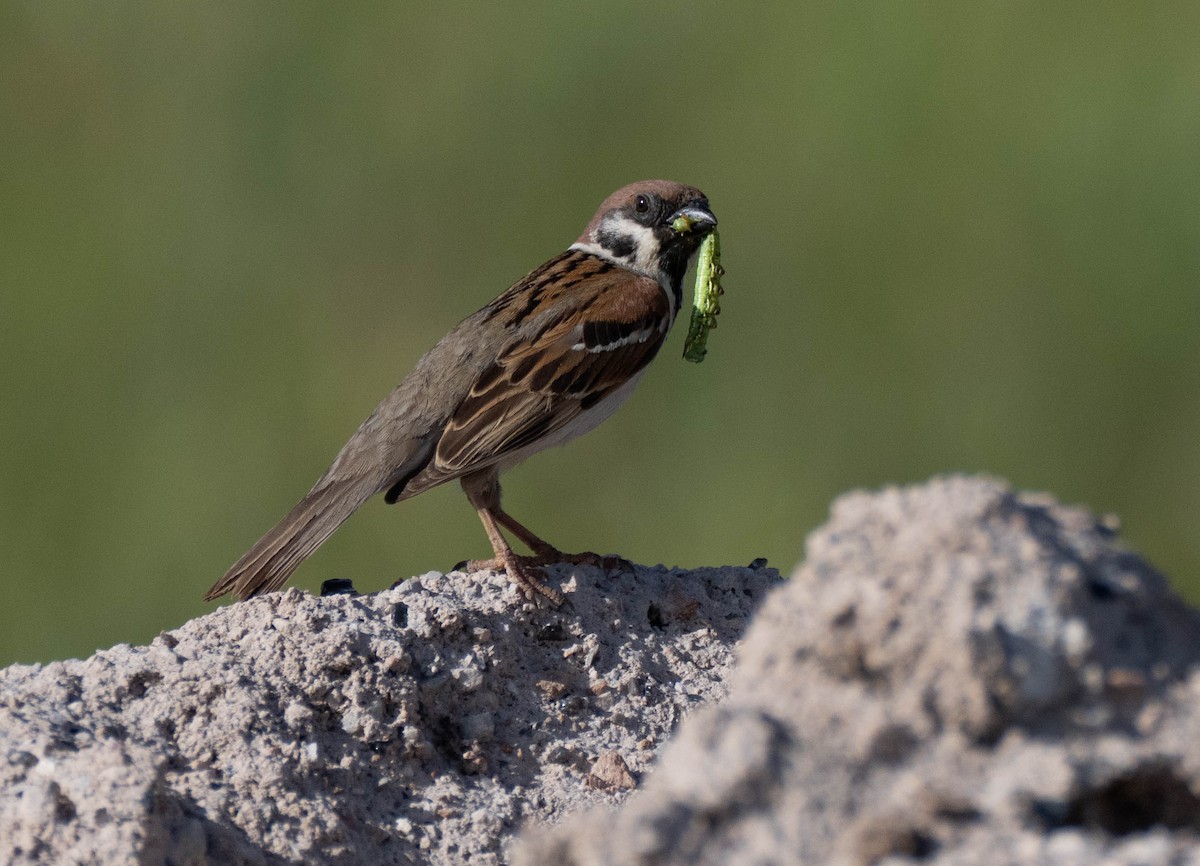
(958, 674)
(407, 726)
(610, 773)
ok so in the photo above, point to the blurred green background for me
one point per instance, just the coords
(958, 237)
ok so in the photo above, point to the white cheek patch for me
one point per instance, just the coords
(645, 245)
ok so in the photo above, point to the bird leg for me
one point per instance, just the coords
(483, 492)
(546, 553)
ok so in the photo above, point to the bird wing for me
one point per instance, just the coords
(589, 332)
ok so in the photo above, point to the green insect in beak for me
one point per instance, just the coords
(706, 303)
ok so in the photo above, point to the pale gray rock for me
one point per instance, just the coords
(422, 724)
(958, 674)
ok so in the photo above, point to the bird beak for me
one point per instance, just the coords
(693, 218)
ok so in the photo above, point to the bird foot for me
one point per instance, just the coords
(551, 556)
(521, 570)
(524, 570)
(607, 562)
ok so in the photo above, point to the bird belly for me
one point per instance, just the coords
(584, 422)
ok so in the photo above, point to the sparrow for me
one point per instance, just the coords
(543, 363)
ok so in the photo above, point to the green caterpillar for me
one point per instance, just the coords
(706, 304)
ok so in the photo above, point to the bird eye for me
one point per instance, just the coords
(641, 204)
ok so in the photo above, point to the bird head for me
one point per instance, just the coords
(653, 227)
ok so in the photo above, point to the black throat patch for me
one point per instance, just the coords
(673, 262)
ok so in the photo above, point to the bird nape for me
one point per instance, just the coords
(545, 362)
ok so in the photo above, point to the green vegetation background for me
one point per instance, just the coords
(958, 237)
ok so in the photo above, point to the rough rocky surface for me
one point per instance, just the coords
(418, 725)
(958, 674)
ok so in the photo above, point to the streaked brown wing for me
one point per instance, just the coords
(597, 330)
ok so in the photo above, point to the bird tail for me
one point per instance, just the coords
(270, 562)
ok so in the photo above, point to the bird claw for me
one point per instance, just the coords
(607, 562)
(521, 570)
(553, 556)
(533, 588)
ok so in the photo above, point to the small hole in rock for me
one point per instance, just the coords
(552, 632)
(845, 618)
(64, 809)
(1148, 797)
(893, 744)
(654, 616)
